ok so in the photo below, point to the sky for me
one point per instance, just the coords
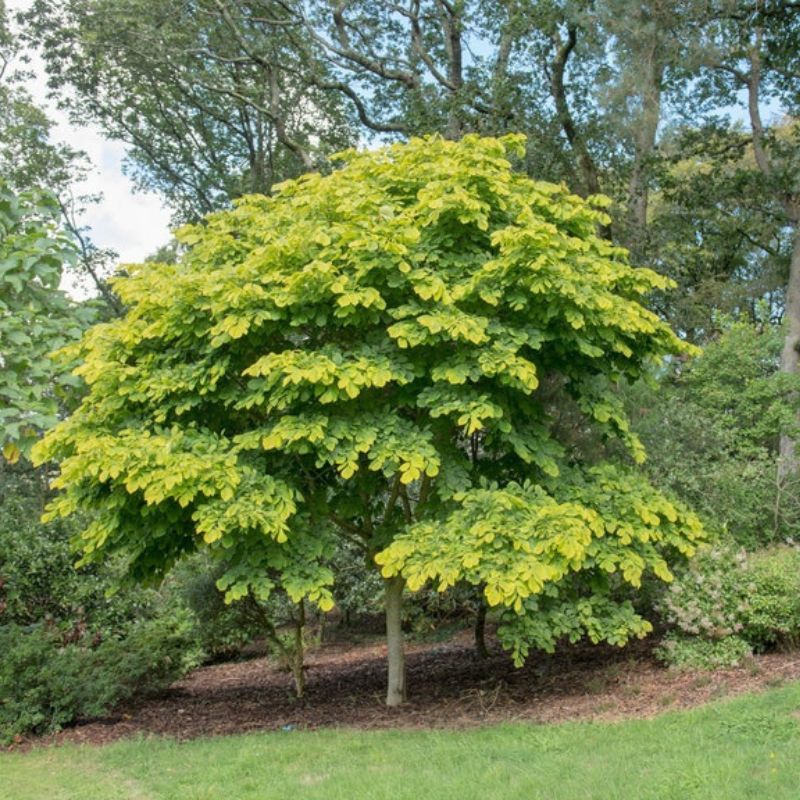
(132, 223)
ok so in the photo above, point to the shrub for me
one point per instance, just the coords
(221, 628)
(773, 597)
(46, 684)
(72, 646)
(151, 655)
(42, 684)
(38, 579)
(731, 602)
(708, 599)
(697, 653)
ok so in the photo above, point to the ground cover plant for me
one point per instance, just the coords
(384, 355)
(745, 748)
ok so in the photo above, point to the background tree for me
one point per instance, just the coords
(717, 231)
(31, 160)
(212, 98)
(227, 96)
(383, 355)
(712, 432)
(753, 49)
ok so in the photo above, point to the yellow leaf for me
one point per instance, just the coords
(493, 596)
(11, 452)
(326, 604)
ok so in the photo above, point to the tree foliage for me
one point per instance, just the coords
(36, 317)
(711, 429)
(380, 354)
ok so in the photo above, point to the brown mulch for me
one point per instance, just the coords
(449, 686)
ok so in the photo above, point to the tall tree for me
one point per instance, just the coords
(384, 355)
(196, 88)
(31, 160)
(40, 237)
(35, 317)
(753, 49)
(212, 98)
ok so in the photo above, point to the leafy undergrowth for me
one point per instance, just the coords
(450, 687)
(744, 748)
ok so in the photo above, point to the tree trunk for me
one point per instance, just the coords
(298, 651)
(645, 141)
(480, 630)
(452, 30)
(396, 683)
(790, 355)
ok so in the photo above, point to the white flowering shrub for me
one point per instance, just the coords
(729, 603)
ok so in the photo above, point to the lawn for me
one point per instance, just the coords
(744, 748)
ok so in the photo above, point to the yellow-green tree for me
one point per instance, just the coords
(382, 354)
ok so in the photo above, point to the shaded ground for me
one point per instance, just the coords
(449, 687)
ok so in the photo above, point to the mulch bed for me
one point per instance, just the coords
(449, 687)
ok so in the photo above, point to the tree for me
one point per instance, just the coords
(387, 354)
(754, 50)
(31, 160)
(221, 97)
(36, 317)
(212, 98)
(598, 88)
(717, 231)
(712, 431)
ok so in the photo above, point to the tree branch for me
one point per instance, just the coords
(753, 88)
(558, 67)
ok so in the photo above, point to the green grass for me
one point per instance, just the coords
(745, 748)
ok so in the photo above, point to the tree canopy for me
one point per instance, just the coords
(409, 353)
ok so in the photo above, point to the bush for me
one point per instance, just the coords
(152, 655)
(773, 598)
(696, 653)
(222, 629)
(72, 644)
(729, 602)
(709, 599)
(42, 684)
(46, 684)
(38, 579)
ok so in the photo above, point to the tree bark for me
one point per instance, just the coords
(790, 355)
(480, 630)
(590, 180)
(645, 141)
(451, 23)
(396, 677)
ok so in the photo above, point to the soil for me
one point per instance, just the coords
(449, 685)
